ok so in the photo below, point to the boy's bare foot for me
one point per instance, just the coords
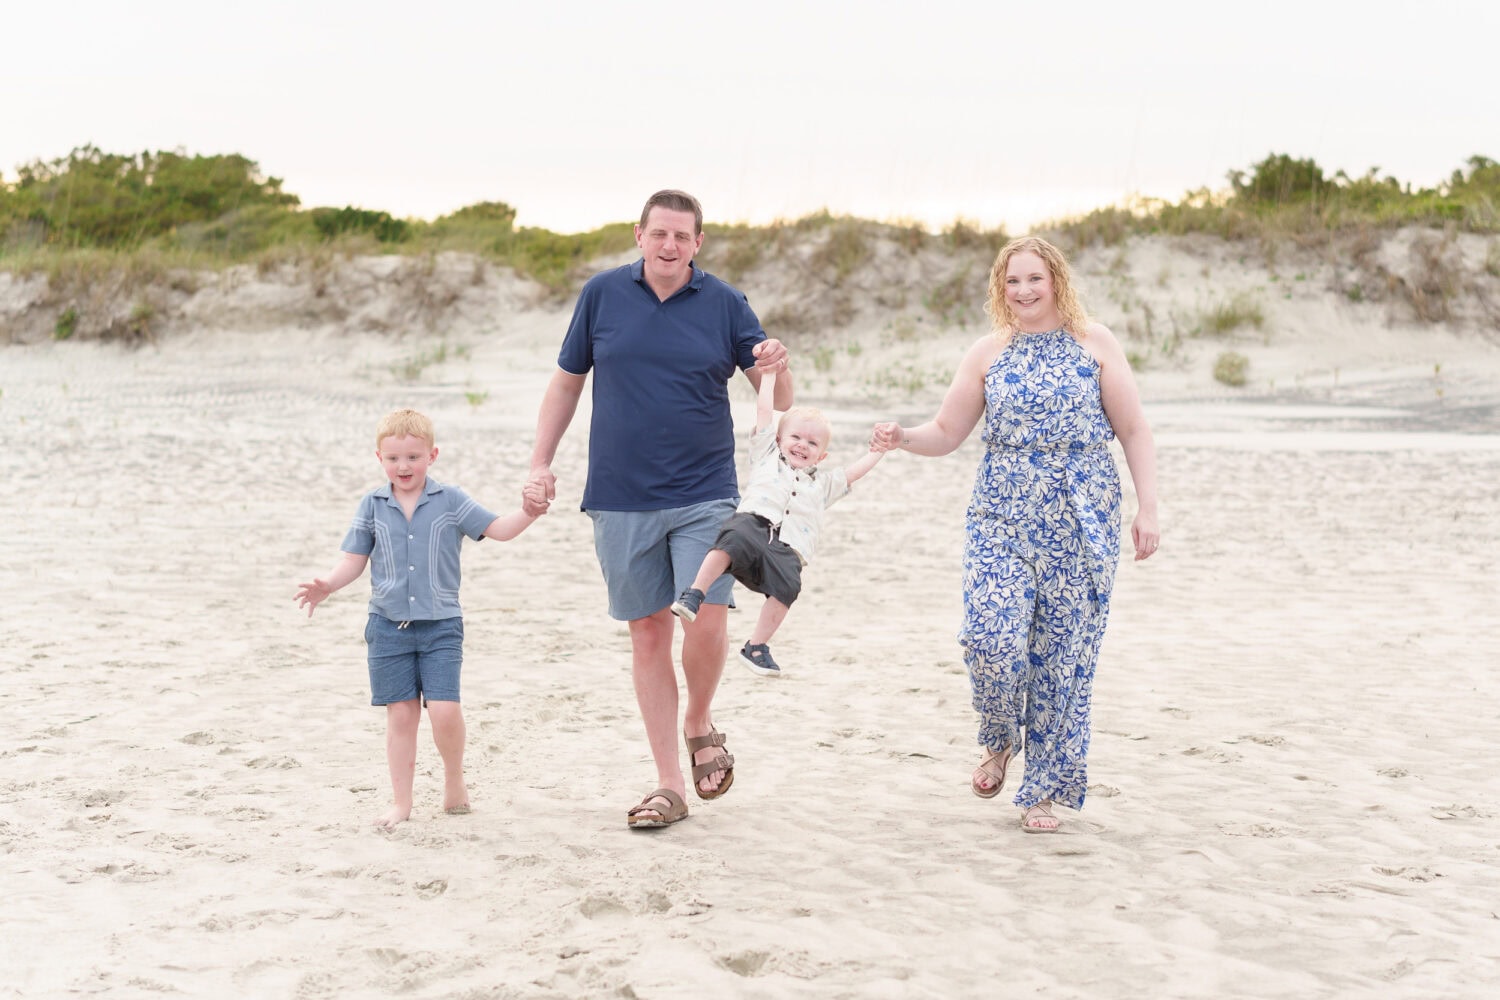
(455, 797)
(392, 818)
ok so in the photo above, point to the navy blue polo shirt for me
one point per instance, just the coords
(414, 565)
(661, 434)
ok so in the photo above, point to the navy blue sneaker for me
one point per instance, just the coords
(758, 658)
(687, 604)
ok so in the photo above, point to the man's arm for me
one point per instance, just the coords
(559, 403)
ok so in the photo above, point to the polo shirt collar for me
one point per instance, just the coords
(384, 492)
(638, 272)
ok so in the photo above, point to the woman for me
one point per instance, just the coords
(1044, 520)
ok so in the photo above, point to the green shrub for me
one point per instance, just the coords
(1231, 368)
(1284, 196)
(1277, 180)
(332, 223)
(92, 198)
(66, 324)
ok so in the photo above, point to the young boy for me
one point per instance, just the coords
(410, 531)
(772, 533)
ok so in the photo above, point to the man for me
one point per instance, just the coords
(663, 339)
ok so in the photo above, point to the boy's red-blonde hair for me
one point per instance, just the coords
(404, 423)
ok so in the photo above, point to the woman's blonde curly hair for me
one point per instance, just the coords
(1074, 317)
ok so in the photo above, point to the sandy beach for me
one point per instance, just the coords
(1291, 791)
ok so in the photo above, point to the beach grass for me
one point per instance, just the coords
(144, 221)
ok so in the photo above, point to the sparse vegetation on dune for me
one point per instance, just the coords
(1287, 208)
(1283, 198)
(117, 243)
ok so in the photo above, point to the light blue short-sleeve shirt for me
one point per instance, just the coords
(414, 565)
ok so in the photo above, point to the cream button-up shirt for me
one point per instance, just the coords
(792, 499)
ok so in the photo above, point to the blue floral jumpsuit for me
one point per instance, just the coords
(1039, 562)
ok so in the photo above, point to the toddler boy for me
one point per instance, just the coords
(774, 530)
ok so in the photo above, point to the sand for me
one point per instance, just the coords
(1291, 787)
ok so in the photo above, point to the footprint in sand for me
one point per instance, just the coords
(1411, 874)
(746, 963)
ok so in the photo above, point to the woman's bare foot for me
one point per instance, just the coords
(989, 777)
(397, 815)
(1039, 818)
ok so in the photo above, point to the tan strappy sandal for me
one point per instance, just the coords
(994, 768)
(721, 762)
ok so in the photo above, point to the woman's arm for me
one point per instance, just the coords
(1122, 405)
(960, 410)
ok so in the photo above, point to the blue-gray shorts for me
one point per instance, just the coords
(650, 556)
(421, 660)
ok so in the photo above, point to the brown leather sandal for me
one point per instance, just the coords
(722, 762)
(647, 816)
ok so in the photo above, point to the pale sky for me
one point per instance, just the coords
(574, 112)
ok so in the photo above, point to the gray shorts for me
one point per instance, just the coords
(759, 559)
(650, 556)
(420, 660)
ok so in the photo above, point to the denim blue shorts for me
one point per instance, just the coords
(650, 556)
(415, 660)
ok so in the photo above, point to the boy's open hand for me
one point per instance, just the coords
(310, 595)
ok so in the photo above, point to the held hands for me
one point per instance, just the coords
(771, 356)
(534, 499)
(539, 492)
(886, 436)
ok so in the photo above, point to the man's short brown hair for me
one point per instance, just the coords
(677, 201)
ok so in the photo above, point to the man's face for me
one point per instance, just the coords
(668, 244)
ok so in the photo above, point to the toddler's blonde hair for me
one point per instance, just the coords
(808, 415)
(401, 423)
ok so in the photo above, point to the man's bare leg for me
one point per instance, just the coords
(656, 693)
(401, 721)
(448, 732)
(705, 644)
